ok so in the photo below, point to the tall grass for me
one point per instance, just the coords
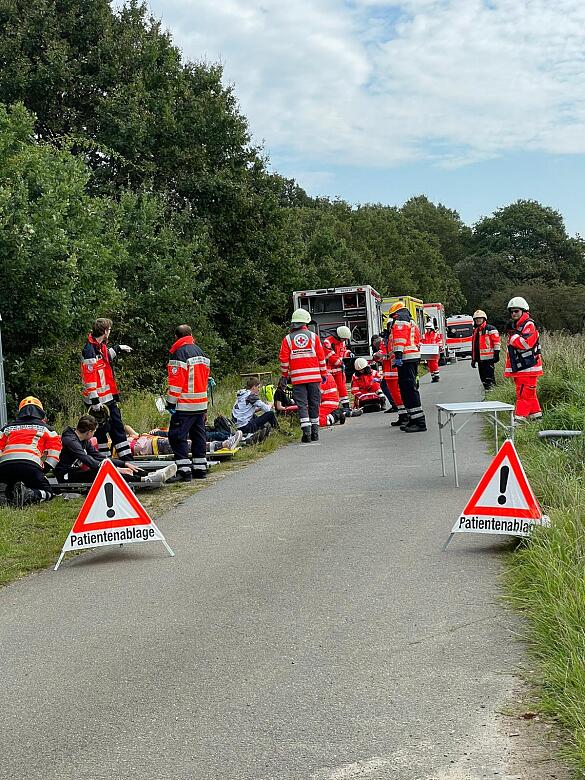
(546, 576)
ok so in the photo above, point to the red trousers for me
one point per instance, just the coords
(526, 398)
(433, 366)
(341, 386)
(392, 382)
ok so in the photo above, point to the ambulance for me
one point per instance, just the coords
(357, 307)
(460, 334)
(435, 312)
(414, 306)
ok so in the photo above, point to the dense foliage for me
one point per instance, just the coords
(130, 188)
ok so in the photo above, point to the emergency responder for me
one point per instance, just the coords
(523, 360)
(391, 377)
(380, 355)
(335, 348)
(100, 388)
(329, 411)
(23, 444)
(365, 387)
(485, 349)
(432, 337)
(303, 360)
(187, 376)
(406, 347)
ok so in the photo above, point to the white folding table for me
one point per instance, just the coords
(489, 408)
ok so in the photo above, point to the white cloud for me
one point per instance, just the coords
(377, 82)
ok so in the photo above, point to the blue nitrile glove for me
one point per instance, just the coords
(323, 380)
(171, 409)
(211, 382)
(397, 362)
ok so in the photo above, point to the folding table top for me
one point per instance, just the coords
(476, 406)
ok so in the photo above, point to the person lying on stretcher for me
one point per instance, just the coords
(79, 460)
(157, 442)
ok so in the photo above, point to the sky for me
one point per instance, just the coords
(474, 103)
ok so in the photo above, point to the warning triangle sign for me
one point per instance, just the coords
(111, 515)
(503, 502)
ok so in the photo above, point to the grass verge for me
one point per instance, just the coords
(32, 538)
(546, 576)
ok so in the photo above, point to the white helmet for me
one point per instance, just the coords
(301, 315)
(478, 314)
(343, 332)
(519, 303)
(360, 364)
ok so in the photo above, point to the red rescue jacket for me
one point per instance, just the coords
(485, 341)
(329, 396)
(188, 375)
(365, 383)
(29, 439)
(335, 350)
(302, 357)
(406, 338)
(523, 356)
(97, 372)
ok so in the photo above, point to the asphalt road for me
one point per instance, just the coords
(309, 627)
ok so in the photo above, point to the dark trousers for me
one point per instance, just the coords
(386, 390)
(486, 373)
(115, 427)
(308, 398)
(258, 421)
(185, 426)
(407, 382)
(30, 474)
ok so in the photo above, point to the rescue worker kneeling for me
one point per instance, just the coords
(23, 443)
(365, 387)
(329, 411)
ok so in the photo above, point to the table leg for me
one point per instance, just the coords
(441, 444)
(496, 429)
(454, 449)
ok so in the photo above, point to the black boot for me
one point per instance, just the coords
(402, 420)
(180, 476)
(314, 433)
(306, 437)
(415, 426)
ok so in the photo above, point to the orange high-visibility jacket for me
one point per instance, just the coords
(335, 350)
(485, 341)
(97, 373)
(29, 440)
(406, 339)
(301, 357)
(188, 375)
(524, 344)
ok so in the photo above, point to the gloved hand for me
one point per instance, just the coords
(397, 362)
(282, 383)
(95, 408)
(123, 348)
(323, 380)
(171, 409)
(497, 356)
(473, 364)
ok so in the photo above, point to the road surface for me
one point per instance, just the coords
(309, 628)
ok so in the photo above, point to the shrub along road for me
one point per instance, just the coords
(308, 627)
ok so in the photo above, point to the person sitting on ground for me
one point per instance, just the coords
(79, 460)
(283, 404)
(28, 449)
(365, 387)
(329, 409)
(248, 402)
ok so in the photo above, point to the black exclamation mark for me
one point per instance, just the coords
(109, 491)
(504, 472)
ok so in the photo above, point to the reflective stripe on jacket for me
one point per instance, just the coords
(97, 373)
(365, 383)
(335, 350)
(384, 356)
(523, 353)
(329, 396)
(485, 341)
(188, 375)
(405, 338)
(29, 440)
(301, 357)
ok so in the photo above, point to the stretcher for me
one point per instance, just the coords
(212, 457)
(83, 487)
